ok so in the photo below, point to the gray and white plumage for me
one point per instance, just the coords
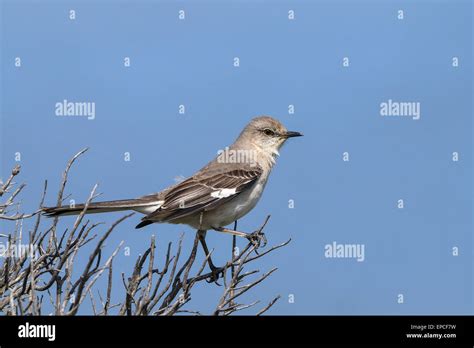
(215, 196)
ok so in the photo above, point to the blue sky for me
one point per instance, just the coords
(282, 62)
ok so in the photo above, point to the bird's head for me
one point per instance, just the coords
(268, 133)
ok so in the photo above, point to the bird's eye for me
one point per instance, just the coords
(269, 132)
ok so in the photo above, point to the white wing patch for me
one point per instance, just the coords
(223, 193)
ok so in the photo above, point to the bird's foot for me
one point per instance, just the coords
(215, 275)
(258, 239)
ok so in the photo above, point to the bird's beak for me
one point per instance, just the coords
(291, 134)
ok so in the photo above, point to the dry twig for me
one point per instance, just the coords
(49, 272)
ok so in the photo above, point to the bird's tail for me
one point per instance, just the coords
(100, 207)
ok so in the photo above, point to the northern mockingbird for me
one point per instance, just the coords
(220, 193)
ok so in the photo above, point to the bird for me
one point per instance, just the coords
(220, 193)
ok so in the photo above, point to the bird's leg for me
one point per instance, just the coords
(202, 236)
(214, 269)
(255, 238)
(228, 230)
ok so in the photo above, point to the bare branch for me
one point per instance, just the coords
(25, 280)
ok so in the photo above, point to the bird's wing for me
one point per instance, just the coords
(202, 193)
